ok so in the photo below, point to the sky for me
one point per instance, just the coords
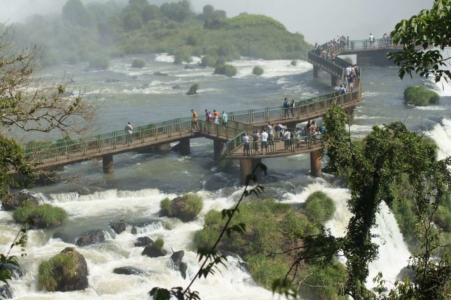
(317, 20)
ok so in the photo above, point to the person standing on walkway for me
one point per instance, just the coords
(195, 120)
(287, 139)
(292, 106)
(286, 106)
(371, 40)
(245, 144)
(264, 141)
(225, 119)
(270, 130)
(128, 133)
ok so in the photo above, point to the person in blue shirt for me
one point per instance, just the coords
(342, 89)
(286, 106)
(225, 118)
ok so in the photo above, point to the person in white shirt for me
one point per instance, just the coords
(128, 133)
(245, 144)
(264, 137)
(270, 132)
(286, 138)
(371, 40)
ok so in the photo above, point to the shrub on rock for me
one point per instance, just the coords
(64, 272)
(138, 63)
(294, 63)
(193, 89)
(42, 216)
(258, 70)
(208, 61)
(319, 207)
(186, 208)
(155, 249)
(420, 96)
(227, 70)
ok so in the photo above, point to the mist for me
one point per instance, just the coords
(318, 21)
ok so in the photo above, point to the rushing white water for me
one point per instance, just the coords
(441, 134)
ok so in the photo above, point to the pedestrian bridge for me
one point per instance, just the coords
(227, 140)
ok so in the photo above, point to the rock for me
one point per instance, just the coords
(16, 271)
(72, 281)
(176, 87)
(6, 292)
(128, 271)
(39, 223)
(193, 66)
(118, 226)
(406, 271)
(134, 230)
(92, 237)
(143, 241)
(151, 251)
(11, 202)
(160, 74)
(112, 80)
(176, 258)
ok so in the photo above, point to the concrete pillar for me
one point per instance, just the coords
(245, 169)
(218, 148)
(315, 72)
(185, 147)
(315, 163)
(254, 163)
(334, 80)
(108, 165)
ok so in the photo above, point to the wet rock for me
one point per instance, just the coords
(134, 230)
(143, 241)
(406, 271)
(152, 251)
(176, 87)
(176, 258)
(193, 66)
(6, 292)
(92, 237)
(75, 280)
(160, 74)
(11, 202)
(118, 226)
(128, 271)
(16, 271)
(112, 80)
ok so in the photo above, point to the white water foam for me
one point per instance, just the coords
(272, 68)
(441, 134)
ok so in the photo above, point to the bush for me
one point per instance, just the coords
(165, 207)
(47, 279)
(159, 243)
(99, 63)
(208, 61)
(220, 61)
(182, 56)
(258, 71)
(193, 205)
(138, 63)
(227, 70)
(193, 89)
(420, 96)
(323, 283)
(46, 214)
(186, 208)
(294, 63)
(319, 208)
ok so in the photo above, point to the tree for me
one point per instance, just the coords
(208, 10)
(151, 12)
(75, 13)
(428, 29)
(178, 12)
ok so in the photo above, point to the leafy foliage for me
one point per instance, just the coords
(257, 70)
(186, 207)
(49, 214)
(47, 278)
(138, 63)
(159, 243)
(420, 96)
(227, 70)
(245, 21)
(319, 207)
(75, 13)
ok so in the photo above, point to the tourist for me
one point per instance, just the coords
(351, 81)
(342, 90)
(215, 117)
(255, 138)
(128, 133)
(313, 127)
(210, 117)
(292, 106)
(285, 105)
(225, 119)
(279, 131)
(286, 138)
(195, 119)
(333, 58)
(207, 118)
(270, 130)
(245, 144)
(264, 137)
(371, 40)
(347, 41)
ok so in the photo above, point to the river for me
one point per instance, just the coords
(140, 181)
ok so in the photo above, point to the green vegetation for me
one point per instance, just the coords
(420, 96)
(84, 32)
(138, 63)
(227, 70)
(294, 63)
(319, 208)
(186, 208)
(257, 70)
(47, 278)
(159, 243)
(271, 228)
(47, 214)
(99, 63)
(193, 89)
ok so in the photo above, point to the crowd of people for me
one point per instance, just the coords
(215, 118)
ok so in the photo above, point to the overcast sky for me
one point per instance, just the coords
(318, 20)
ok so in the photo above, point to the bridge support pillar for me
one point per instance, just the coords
(334, 80)
(218, 148)
(185, 147)
(315, 163)
(315, 72)
(245, 169)
(108, 165)
(254, 163)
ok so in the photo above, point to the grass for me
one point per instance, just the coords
(47, 277)
(49, 214)
(158, 244)
(189, 208)
(319, 207)
(420, 96)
